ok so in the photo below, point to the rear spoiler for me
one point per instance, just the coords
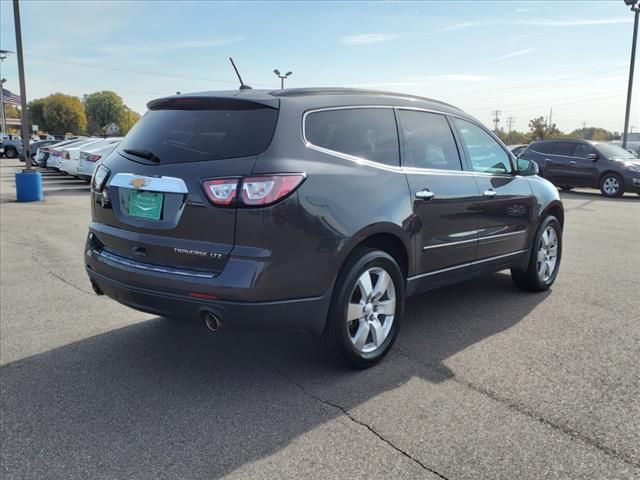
(197, 102)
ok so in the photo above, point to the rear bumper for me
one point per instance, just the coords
(308, 314)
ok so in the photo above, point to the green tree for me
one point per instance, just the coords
(593, 133)
(64, 113)
(540, 130)
(35, 109)
(103, 108)
(129, 120)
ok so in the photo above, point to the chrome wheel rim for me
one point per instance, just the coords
(611, 185)
(371, 310)
(547, 254)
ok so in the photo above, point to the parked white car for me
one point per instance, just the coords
(55, 151)
(71, 156)
(90, 157)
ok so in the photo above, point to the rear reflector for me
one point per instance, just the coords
(204, 296)
(93, 158)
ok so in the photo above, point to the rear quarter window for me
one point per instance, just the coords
(190, 135)
(564, 148)
(368, 133)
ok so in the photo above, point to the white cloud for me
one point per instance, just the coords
(575, 22)
(460, 26)
(515, 54)
(454, 77)
(523, 10)
(171, 46)
(367, 38)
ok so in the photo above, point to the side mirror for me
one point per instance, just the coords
(593, 157)
(527, 168)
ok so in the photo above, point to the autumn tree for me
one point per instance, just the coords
(64, 113)
(103, 108)
(541, 130)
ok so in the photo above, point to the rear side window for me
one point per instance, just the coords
(368, 133)
(542, 147)
(564, 148)
(428, 141)
(192, 135)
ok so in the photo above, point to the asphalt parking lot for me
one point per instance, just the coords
(484, 382)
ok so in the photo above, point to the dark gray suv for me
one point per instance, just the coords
(313, 209)
(581, 163)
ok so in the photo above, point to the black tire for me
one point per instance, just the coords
(566, 188)
(605, 188)
(530, 279)
(10, 152)
(337, 335)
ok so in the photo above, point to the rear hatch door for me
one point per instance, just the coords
(154, 209)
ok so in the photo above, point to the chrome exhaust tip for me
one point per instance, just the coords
(211, 321)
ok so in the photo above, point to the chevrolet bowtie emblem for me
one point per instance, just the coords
(139, 182)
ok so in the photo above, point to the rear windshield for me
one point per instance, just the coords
(194, 135)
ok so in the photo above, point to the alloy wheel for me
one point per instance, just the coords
(611, 185)
(371, 310)
(547, 254)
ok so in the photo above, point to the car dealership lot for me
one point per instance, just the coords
(485, 381)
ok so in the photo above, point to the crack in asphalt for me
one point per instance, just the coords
(523, 410)
(345, 412)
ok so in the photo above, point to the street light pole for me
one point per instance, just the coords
(282, 77)
(3, 123)
(634, 8)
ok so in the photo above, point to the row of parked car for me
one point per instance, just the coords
(78, 156)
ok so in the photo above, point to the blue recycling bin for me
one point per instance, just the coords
(29, 186)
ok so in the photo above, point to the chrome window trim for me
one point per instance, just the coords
(477, 239)
(399, 169)
(469, 264)
(155, 184)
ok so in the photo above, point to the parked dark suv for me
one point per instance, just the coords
(581, 163)
(313, 209)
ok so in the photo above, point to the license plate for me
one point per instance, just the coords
(146, 204)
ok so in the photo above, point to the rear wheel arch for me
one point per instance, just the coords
(386, 241)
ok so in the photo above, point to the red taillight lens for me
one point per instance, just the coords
(268, 189)
(67, 156)
(93, 158)
(221, 191)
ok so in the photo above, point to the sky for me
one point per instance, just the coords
(521, 58)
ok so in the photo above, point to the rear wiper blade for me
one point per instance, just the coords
(142, 153)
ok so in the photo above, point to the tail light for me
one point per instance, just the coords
(257, 191)
(221, 191)
(99, 179)
(66, 156)
(45, 149)
(93, 158)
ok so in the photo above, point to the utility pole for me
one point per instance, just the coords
(584, 130)
(23, 89)
(510, 122)
(634, 8)
(282, 77)
(3, 122)
(496, 119)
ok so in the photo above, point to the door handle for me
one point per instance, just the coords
(489, 193)
(571, 162)
(425, 194)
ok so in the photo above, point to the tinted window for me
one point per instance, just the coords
(542, 147)
(486, 155)
(564, 148)
(582, 150)
(192, 135)
(368, 133)
(428, 141)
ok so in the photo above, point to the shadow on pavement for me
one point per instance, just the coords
(165, 399)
